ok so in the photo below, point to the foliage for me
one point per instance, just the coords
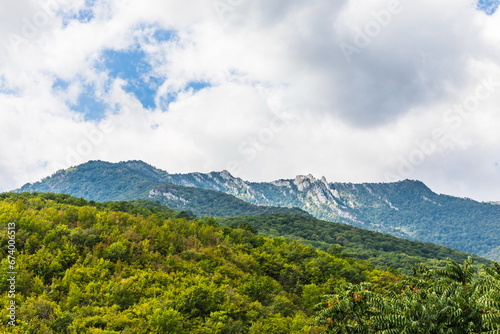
(140, 267)
(453, 299)
(122, 267)
(383, 250)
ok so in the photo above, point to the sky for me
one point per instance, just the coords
(266, 89)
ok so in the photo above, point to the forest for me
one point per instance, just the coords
(383, 250)
(137, 267)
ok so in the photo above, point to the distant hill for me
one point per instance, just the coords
(103, 182)
(406, 209)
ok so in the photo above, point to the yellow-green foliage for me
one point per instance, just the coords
(453, 299)
(84, 268)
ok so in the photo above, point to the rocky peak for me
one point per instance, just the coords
(304, 181)
(226, 175)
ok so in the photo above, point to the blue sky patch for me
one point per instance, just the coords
(127, 64)
(60, 84)
(165, 100)
(198, 85)
(89, 105)
(162, 35)
(84, 15)
(488, 6)
(132, 66)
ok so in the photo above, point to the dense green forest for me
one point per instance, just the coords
(383, 250)
(138, 267)
(124, 268)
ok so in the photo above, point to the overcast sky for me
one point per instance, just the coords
(267, 89)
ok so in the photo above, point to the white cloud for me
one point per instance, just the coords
(283, 97)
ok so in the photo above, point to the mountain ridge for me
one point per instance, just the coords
(104, 182)
(407, 208)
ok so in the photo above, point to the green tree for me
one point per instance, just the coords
(166, 320)
(446, 300)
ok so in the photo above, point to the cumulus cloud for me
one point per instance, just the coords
(353, 91)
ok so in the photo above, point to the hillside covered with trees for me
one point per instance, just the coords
(138, 267)
(122, 268)
(383, 250)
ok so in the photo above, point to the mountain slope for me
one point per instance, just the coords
(103, 182)
(204, 202)
(86, 268)
(121, 267)
(380, 249)
(406, 209)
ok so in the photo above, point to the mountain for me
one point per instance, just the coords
(204, 202)
(406, 209)
(103, 182)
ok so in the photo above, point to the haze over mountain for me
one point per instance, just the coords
(406, 209)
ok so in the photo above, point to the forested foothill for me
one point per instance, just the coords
(139, 267)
